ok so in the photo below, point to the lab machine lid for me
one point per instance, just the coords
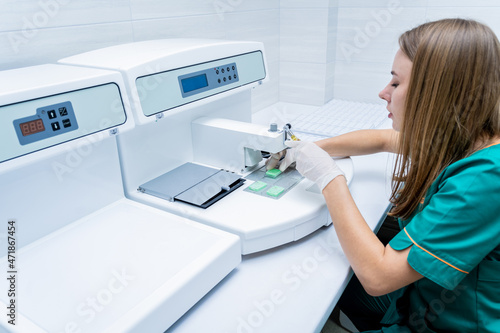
(163, 54)
(194, 184)
(43, 106)
(169, 75)
(23, 84)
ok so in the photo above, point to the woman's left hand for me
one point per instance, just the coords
(312, 162)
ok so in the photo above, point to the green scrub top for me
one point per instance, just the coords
(455, 244)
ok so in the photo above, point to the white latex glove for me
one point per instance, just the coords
(274, 159)
(312, 162)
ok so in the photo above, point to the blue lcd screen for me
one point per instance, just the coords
(194, 82)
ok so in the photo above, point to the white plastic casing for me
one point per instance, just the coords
(152, 69)
(84, 257)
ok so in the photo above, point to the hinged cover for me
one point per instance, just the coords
(194, 184)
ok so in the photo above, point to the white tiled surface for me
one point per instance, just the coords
(316, 49)
(368, 34)
(179, 27)
(260, 25)
(463, 3)
(307, 51)
(18, 15)
(384, 3)
(304, 35)
(303, 81)
(308, 4)
(151, 9)
(49, 45)
(371, 35)
(34, 32)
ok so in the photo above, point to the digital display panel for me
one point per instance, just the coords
(194, 82)
(32, 127)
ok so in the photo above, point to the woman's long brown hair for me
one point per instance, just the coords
(452, 103)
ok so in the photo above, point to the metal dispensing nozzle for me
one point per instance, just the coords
(288, 131)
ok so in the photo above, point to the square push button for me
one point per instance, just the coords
(55, 126)
(52, 114)
(275, 191)
(257, 186)
(63, 111)
(273, 173)
(66, 123)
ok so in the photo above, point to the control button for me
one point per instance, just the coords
(218, 80)
(229, 78)
(234, 76)
(273, 127)
(228, 69)
(257, 186)
(63, 111)
(52, 114)
(224, 79)
(222, 70)
(66, 123)
(217, 72)
(55, 126)
(233, 67)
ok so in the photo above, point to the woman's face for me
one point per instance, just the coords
(395, 92)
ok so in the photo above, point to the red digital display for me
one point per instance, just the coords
(32, 127)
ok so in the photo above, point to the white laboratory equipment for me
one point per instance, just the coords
(79, 256)
(195, 152)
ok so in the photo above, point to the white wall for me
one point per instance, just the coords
(368, 32)
(316, 49)
(39, 31)
(307, 50)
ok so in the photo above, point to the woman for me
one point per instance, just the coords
(441, 272)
